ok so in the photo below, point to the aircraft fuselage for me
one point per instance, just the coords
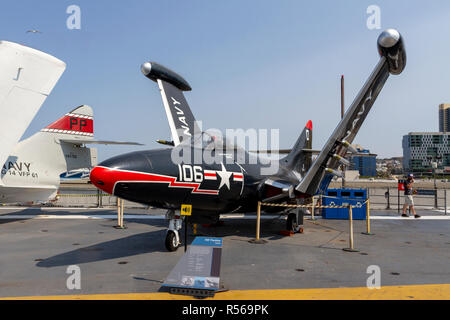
(151, 177)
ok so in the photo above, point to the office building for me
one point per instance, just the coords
(420, 149)
(366, 164)
(444, 117)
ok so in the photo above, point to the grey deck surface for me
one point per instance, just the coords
(35, 253)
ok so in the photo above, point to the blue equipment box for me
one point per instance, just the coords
(339, 197)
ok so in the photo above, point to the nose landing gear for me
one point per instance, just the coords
(173, 237)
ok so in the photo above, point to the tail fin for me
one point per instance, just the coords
(78, 122)
(50, 155)
(300, 159)
(26, 79)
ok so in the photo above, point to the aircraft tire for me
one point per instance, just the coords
(171, 241)
(291, 223)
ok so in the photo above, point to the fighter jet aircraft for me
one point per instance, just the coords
(234, 182)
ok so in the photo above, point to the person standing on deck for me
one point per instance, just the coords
(409, 201)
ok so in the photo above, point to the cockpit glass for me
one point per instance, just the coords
(204, 140)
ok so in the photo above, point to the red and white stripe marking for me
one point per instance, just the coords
(79, 133)
(81, 116)
(110, 178)
(68, 125)
(209, 175)
(239, 177)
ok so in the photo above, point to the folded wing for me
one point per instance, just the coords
(392, 60)
(182, 122)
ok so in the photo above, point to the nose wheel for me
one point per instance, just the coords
(172, 243)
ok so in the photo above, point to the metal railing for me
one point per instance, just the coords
(89, 199)
(393, 199)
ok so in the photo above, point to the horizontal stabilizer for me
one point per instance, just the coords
(77, 127)
(312, 151)
(283, 186)
(280, 151)
(277, 190)
(87, 141)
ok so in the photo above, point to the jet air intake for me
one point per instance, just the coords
(390, 45)
(155, 71)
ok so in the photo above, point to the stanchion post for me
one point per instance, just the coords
(121, 212)
(258, 220)
(445, 200)
(350, 219)
(312, 209)
(388, 199)
(435, 197)
(185, 233)
(118, 211)
(258, 228)
(368, 233)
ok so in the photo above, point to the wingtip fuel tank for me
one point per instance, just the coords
(391, 46)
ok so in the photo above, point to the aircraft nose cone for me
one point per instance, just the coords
(102, 178)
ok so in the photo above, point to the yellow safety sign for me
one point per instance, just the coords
(186, 209)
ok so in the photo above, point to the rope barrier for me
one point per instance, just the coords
(83, 195)
(313, 206)
(340, 198)
(310, 205)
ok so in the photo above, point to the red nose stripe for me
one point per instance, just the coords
(106, 178)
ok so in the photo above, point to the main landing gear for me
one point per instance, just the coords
(294, 221)
(173, 236)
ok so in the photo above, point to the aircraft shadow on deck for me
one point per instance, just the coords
(153, 241)
(136, 244)
(270, 229)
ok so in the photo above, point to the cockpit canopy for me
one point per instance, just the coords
(209, 141)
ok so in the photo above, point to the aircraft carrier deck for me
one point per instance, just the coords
(38, 244)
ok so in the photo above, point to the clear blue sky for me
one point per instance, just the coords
(252, 64)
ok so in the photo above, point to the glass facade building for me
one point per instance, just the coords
(366, 165)
(422, 148)
(444, 117)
